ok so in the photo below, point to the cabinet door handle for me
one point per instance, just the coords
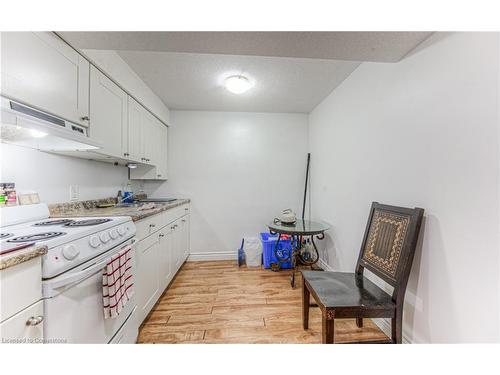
(152, 225)
(158, 175)
(85, 118)
(126, 154)
(34, 320)
(186, 209)
(183, 220)
(161, 235)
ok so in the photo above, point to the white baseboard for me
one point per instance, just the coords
(385, 326)
(213, 255)
(324, 265)
(382, 323)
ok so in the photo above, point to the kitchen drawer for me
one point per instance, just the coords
(152, 224)
(149, 225)
(24, 327)
(177, 212)
(185, 209)
(20, 287)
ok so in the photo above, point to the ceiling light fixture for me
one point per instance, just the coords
(237, 84)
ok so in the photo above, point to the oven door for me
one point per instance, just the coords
(74, 306)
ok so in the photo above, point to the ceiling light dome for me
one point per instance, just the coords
(237, 84)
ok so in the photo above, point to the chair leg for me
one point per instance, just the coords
(305, 305)
(327, 334)
(359, 322)
(397, 327)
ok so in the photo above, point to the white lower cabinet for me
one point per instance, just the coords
(148, 287)
(21, 308)
(162, 249)
(24, 327)
(185, 237)
(176, 244)
(180, 240)
(165, 261)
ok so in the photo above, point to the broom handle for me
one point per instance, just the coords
(305, 187)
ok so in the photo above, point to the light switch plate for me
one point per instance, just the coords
(74, 192)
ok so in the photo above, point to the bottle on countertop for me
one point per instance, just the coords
(128, 195)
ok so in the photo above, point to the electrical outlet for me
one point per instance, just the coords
(74, 192)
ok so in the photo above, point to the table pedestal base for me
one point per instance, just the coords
(297, 258)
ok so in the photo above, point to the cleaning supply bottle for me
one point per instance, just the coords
(128, 195)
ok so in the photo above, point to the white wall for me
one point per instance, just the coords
(239, 169)
(51, 175)
(421, 132)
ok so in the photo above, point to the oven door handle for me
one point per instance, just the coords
(78, 276)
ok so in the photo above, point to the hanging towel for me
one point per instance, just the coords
(117, 282)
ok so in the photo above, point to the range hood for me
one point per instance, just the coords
(25, 126)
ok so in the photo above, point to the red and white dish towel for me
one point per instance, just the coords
(117, 282)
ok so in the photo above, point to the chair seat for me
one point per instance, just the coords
(346, 290)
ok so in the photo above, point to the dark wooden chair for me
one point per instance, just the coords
(387, 250)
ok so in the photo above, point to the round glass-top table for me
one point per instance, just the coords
(304, 250)
(301, 227)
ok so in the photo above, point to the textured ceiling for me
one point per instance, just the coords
(292, 71)
(195, 81)
(356, 46)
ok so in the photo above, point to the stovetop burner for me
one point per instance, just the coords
(37, 237)
(87, 222)
(53, 222)
(5, 235)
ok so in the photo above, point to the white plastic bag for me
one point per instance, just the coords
(253, 251)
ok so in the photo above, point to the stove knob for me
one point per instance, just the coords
(114, 234)
(121, 231)
(70, 252)
(94, 241)
(104, 236)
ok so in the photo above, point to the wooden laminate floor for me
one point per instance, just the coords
(217, 302)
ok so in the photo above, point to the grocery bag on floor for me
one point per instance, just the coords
(253, 251)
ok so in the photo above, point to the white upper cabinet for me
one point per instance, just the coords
(41, 70)
(108, 114)
(161, 162)
(142, 135)
(148, 139)
(154, 141)
(132, 135)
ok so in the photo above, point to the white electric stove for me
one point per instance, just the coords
(71, 241)
(78, 249)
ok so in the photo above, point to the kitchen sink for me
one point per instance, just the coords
(133, 205)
